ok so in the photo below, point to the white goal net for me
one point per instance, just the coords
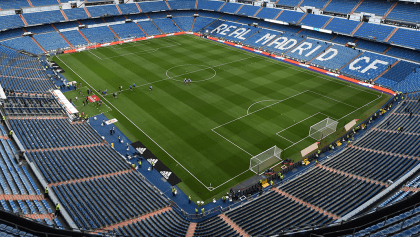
(323, 129)
(265, 160)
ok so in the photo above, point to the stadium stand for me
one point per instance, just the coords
(182, 5)
(371, 46)
(156, 15)
(76, 163)
(51, 41)
(290, 3)
(248, 10)
(129, 8)
(40, 29)
(214, 227)
(268, 13)
(224, 29)
(149, 27)
(405, 37)
(407, 12)
(100, 11)
(374, 32)
(201, 22)
(363, 61)
(43, 17)
(316, 34)
(261, 38)
(344, 7)
(308, 49)
(341, 55)
(409, 54)
(23, 43)
(290, 213)
(11, 34)
(230, 7)
(405, 224)
(32, 106)
(109, 207)
(209, 5)
(397, 74)
(76, 13)
(317, 21)
(283, 43)
(242, 33)
(17, 4)
(290, 16)
(44, 3)
(230, 18)
(127, 30)
(185, 23)
(341, 39)
(182, 13)
(74, 37)
(210, 14)
(342, 25)
(66, 25)
(166, 25)
(376, 7)
(61, 133)
(100, 34)
(315, 3)
(11, 22)
(166, 223)
(292, 29)
(153, 6)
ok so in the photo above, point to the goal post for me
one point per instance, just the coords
(266, 159)
(323, 129)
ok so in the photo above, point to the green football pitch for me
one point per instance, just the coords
(238, 104)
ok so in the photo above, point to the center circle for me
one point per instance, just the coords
(195, 72)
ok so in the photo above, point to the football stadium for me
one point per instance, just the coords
(209, 118)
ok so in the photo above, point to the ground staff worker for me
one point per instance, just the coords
(57, 210)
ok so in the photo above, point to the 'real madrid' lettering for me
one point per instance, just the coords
(266, 38)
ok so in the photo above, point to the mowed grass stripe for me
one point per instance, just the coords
(180, 117)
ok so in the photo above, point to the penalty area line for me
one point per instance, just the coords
(210, 189)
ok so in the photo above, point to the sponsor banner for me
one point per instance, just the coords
(365, 84)
(308, 150)
(106, 44)
(222, 41)
(166, 173)
(93, 98)
(111, 121)
(350, 125)
(169, 34)
(332, 74)
(239, 46)
(304, 65)
(257, 51)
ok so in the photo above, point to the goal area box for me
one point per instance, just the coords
(266, 159)
(323, 129)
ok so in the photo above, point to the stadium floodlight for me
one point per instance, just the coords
(266, 159)
(323, 129)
